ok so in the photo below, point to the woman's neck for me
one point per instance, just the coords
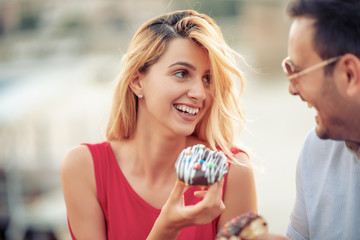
(158, 148)
(154, 155)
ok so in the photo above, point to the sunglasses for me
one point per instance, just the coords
(289, 68)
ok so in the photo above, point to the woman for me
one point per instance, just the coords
(175, 90)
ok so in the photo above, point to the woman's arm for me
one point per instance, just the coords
(175, 215)
(240, 190)
(84, 212)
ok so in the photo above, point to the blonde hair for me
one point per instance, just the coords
(149, 44)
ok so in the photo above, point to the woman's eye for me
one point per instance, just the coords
(207, 79)
(181, 74)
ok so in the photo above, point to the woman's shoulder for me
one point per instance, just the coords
(82, 154)
(241, 167)
(76, 159)
(241, 156)
(77, 170)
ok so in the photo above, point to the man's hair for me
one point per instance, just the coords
(337, 24)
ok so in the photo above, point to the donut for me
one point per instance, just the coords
(244, 227)
(200, 166)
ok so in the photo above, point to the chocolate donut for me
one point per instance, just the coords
(200, 166)
(246, 227)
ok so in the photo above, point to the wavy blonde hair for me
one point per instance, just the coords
(149, 44)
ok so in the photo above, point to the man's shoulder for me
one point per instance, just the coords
(318, 154)
(314, 145)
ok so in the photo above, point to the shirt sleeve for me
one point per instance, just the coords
(298, 228)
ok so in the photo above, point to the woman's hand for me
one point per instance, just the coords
(175, 215)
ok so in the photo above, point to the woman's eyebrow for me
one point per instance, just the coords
(183, 64)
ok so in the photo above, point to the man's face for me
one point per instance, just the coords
(316, 88)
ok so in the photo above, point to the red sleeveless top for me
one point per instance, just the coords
(127, 215)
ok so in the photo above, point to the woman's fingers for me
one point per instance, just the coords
(178, 191)
(214, 190)
(200, 194)
(209, 207)
(214, 193)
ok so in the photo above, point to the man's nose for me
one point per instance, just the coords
(292, 89)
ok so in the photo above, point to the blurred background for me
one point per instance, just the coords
(58, 60)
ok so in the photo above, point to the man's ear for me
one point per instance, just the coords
(136, 84)
(351, 66)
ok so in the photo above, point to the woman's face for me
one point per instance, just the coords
(176, 89)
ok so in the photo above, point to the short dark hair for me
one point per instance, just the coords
(337, 24)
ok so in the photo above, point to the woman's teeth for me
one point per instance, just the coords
(187, 110)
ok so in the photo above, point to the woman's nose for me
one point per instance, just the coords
(197, 90)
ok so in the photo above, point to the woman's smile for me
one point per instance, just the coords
(189, 111)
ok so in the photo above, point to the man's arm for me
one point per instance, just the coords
(298, 227)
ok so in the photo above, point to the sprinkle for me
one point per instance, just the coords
(202, 161)
(211, 165)
(197, 166)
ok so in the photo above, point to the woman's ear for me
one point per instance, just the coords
(351, 65)
(135, 83)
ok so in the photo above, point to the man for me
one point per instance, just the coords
(324, 70)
